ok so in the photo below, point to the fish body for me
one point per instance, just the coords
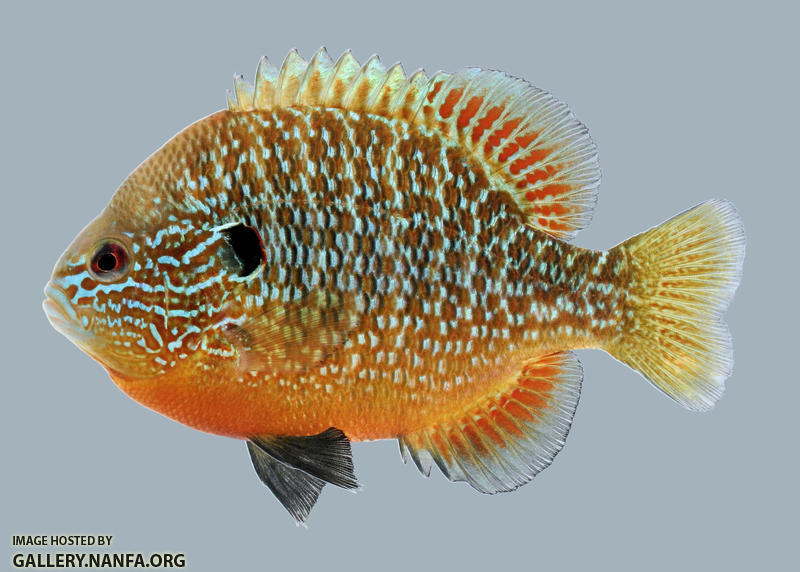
(443, 296)
(349, 254)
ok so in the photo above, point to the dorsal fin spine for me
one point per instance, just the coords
(331, 72)
(243, 91)
(381, 98)
(264, 90)
(363, 85)
(231, 99)
(289, 80)
(342, 75)
(315, 79)
(409, 95)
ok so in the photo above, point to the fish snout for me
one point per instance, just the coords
(61, 314)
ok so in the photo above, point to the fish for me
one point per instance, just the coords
(347, 253)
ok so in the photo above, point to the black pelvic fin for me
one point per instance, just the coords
(296, 468)
(297, 491)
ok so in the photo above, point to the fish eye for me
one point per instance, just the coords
(110, 261)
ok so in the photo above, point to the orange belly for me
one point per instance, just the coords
(375, 404)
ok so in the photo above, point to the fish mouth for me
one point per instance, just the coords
(61, 314)
(78, 328)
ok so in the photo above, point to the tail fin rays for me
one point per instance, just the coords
(687, 271)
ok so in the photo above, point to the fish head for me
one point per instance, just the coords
(159, 273)
(139, 293)
(87, 290)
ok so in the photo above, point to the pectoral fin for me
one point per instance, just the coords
(297, 468)
(289, 338)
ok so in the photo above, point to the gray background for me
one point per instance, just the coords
(684, 102)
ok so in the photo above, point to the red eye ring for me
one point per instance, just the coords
(110, 261)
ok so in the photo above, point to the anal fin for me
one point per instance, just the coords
(504, 439)
(297, 468)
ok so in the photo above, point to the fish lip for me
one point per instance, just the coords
(60, 313)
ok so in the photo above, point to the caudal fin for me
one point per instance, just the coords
(686, 271)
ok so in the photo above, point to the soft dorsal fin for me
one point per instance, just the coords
(500, 442)
(528, 141)
(297, 468)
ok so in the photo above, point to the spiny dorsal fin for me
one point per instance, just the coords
(502, 441)
(529, 142)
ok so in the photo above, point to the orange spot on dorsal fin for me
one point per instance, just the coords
(469, 111)
(498, 136)
(434, 90)
(533, 157)
(446, 110)
(503, 439)
(486, 122)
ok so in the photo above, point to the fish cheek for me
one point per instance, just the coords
(128, 340)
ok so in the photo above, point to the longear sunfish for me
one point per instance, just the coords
(347, 253)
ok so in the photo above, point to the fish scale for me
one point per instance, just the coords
(347, 253)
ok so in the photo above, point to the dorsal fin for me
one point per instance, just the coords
(528, 141)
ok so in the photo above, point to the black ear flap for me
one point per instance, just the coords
(247, 248)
